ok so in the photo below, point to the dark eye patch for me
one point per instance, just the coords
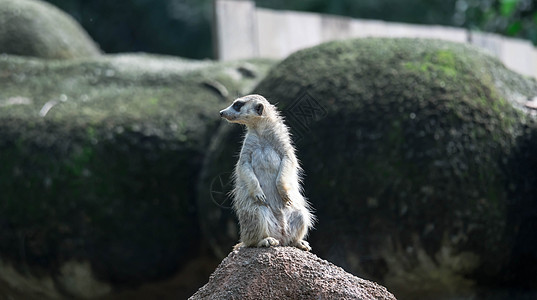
(237, 105)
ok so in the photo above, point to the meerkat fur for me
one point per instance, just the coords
(267, 194)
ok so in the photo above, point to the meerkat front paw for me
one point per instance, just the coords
(267, 242)
(303, 245)
(259, 196)
(282, 190)
(285, 197)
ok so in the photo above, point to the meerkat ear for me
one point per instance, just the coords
(259, 109)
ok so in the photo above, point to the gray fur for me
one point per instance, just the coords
(267, 196)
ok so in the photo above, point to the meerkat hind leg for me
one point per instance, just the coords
(303, 245)
(267, 242)
(238, 246)
(298, 228)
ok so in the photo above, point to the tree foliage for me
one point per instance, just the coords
(509, 17)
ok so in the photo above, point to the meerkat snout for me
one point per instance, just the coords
(225, 114)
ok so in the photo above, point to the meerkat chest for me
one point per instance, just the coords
(265, 160)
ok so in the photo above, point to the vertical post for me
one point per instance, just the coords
(517, 55)
(234, 30)
(535, 63)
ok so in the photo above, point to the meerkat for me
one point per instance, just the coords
(267, 193)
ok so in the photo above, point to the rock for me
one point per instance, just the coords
(521, 272)
(284, 273)
(36, 28)
(405, 146)
(100, 158)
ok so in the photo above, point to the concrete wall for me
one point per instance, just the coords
(243, 31)
(235, 24)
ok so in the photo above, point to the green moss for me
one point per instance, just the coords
(445, 58)
(437, 61)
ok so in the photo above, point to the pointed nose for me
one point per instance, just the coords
(221, 113)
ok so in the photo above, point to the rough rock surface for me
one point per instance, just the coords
(406, 146)
(522, 213)
(38, 29)
(285, 273)
(99, 163)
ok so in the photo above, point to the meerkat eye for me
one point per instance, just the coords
(237, 105)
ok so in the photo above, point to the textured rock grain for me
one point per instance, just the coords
(285, 273)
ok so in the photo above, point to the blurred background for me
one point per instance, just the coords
(183, 27)
(419, 154)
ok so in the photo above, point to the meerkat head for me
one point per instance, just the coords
(246, 110)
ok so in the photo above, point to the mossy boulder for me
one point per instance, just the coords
(521, 271)
(405, 147)
(38, 29)
(100, 159)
